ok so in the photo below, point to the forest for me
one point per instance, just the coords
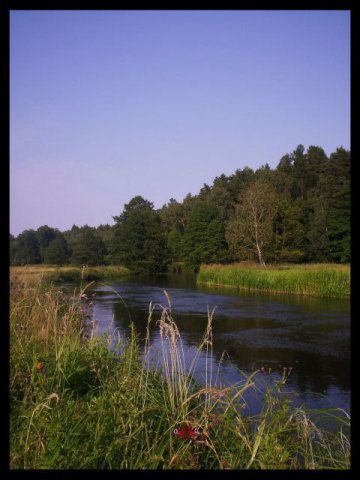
(298, 212)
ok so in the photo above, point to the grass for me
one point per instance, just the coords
(71, 273)
(320, 280)
(78, 401)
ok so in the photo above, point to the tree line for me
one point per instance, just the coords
(298, 212)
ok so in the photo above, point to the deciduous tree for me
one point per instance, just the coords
(204, 238)
(251, 227)
(139, 242)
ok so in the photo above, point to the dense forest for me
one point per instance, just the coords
(298, 212)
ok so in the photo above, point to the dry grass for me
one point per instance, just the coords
(35, 273)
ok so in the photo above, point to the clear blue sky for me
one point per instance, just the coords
(106, 105)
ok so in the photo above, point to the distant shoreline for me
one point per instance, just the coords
(318, 280)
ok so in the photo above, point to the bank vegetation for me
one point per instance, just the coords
(319, 280)
(80, 401)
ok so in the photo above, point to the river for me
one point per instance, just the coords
(310, 336)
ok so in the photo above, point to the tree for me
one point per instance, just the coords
(12, 249)
(316, 164)
(57, 252)
(284, 178)
(106, 233)
(26, 248)
(299, 168)
(45, 235)
(339, 225)
(250, 229)
(139, 242)
(265, 174)
(289, 231)
(328, 220)
(87, 247)
(221, 198)
(204, 237)
(317, 230)
(171, 216)
(175, 245)
(240, 180)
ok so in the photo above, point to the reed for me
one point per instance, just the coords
(79, 401)
(320, 280)
(75, 274)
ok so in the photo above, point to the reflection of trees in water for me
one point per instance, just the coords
(123, 316)
(310, 371)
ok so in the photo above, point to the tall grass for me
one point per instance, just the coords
(71, 273)
(321, 280)
(76, 403)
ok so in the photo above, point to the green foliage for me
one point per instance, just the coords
(310, 191)
(339, 226)
(172, 216)
(175, 244)
(87, 248)
(77, 404)
(317, 231)
(328, 206)
(204, 237)
(288, 241)
(139, 242)
(318, 280)
(25, 249)
(57, 252)
(250, 229)
(45, 236)
(338, 195)
(106, 234)
(12, 249)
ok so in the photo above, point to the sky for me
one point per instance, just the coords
(107, 105)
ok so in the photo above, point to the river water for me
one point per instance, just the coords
(251, 331)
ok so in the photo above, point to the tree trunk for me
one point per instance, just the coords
(261, 259)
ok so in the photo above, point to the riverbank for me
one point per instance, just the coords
(320, 280)
(70, 273)
(77, 404)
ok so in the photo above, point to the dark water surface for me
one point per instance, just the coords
(310, 335)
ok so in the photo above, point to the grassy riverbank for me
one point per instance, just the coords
(320, 280)
(70, 273)
(76, 404)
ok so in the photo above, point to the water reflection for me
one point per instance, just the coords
(310, 335)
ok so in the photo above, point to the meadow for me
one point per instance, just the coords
(80, 401)
(320, 280)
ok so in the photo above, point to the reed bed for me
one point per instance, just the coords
(77, 403)
(70, 273)
(320, 280)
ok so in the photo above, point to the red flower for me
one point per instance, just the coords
(40, 367)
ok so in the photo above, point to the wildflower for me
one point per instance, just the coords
(40, 367)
